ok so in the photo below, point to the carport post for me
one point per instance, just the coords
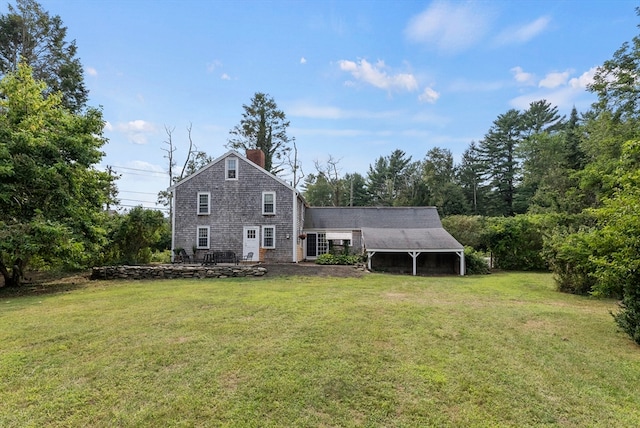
(462, 266)
(414, 256)
(369, 256)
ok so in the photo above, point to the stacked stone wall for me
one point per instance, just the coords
(175, 271)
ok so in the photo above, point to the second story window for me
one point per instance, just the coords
(204, 203)
(268, 203)
(231, 169)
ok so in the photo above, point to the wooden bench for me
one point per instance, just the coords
(215, 257)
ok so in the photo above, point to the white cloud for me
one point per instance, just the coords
(225, 76)
(523, 33)
(136, 126)
(303, 60)
(136, 130)
(553, 80)
(429, 96)
(450, 27)
(108, 126)
(376, 75)
(564, 98)
(584, 79)
(522, 77)
(91, 71)
(560, 90)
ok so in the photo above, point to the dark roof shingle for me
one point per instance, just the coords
(375, 217)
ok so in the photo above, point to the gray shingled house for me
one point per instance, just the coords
(234, 205)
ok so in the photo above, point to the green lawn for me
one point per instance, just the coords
(392, 351)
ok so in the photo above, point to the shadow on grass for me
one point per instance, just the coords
(38, 283)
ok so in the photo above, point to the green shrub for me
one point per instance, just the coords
(475, 263)
(341, 259)
(468, 230)
(161, 256)
(569, 257)
(516, 243)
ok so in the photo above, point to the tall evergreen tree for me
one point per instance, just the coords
(386, 179)
(498, 153)
(470, 177)
(542, 152)
(438, 174)
(355, 191)
(263, 126)
(574, 154)
(540, 117)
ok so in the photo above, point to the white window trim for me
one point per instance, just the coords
(226, 168)
(208, 229)
(264, 235)
(274, 203)
(208, 194)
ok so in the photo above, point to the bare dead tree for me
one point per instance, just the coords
(294, 164)
(331, 173)
(194, 160)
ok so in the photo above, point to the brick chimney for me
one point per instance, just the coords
(256, 156)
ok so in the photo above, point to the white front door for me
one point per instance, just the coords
(250, 243)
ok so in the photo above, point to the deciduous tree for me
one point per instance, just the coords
(51, 194)
(30, 35)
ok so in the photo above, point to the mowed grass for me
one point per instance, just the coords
(393, 351)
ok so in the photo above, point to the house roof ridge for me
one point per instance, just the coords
(243, 158)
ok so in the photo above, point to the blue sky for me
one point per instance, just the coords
(356, 79)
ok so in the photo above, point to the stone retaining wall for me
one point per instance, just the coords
(175, 271)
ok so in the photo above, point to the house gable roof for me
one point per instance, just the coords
(432, 239)
(372, 217)
(233, 153)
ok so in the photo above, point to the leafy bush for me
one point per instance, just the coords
(468, 230)
(341, 259)
(475, 263)
(569, 257)
(516, 243)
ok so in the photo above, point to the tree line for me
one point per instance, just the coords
(523, 164)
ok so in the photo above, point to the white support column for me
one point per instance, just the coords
(294, 229)
(369, 256)
(414, 256)
(462, 265)
(172, 201)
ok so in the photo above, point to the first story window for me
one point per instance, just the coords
(204, 203)
(268, 237)
(202, 238)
